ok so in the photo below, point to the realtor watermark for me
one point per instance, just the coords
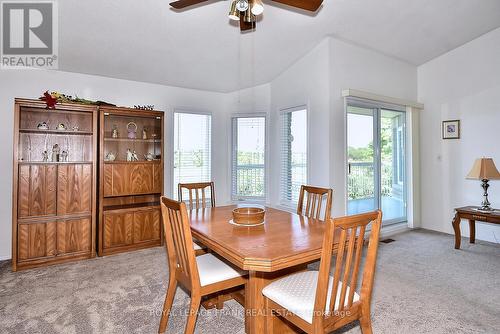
(29, 35)
(240, 312)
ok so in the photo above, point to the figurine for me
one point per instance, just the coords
(144, 133)
(132, 156)
(111, 156)
(42, 126)
(45, 156)
(55, 153)
(114, 132)
(64, 156)
(149, 156)
(61, 127)
(132, 130)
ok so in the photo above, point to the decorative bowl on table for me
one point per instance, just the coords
(248, 216)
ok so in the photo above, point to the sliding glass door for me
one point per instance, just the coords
(376, 154)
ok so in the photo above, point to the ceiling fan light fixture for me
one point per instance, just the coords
(257, 7)
(234, 13)
(249, 17)
(242, 5)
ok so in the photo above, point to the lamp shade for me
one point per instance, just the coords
(484, 169)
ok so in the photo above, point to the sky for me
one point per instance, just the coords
(359, 130)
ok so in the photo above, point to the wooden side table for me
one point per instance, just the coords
(472, 214)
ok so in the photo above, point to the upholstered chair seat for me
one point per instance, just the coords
(297, 293)
(213, 270)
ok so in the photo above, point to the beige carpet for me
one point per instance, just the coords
(422, 285)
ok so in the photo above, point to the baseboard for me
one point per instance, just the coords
(5, 258)
(5, 262)
(388, 231)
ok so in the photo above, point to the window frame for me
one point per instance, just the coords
(233, 131)
(284, 202)
(192, 111)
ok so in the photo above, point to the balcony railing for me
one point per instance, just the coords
(250, 181)
(361, 180)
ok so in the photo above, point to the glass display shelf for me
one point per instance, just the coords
(136, 140)
(56, 132)
(24, 162)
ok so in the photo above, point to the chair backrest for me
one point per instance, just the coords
(179, 242)
(199, 200)
(348, 262)
(315, 197)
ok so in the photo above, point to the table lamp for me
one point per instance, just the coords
(484, 169)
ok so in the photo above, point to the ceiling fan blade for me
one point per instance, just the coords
(245, 26)
(311, 5)
(180, 4)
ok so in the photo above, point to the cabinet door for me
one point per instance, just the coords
(37, 190)
(74, 193)
(157, 178)
(108, 180)
(120, 180)
(131, 179)
(74, 236)
(147, 226)
(118, 229)
(141, 178)
(36, 240)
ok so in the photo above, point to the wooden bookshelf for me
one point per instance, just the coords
(129, 191)
(54, 194)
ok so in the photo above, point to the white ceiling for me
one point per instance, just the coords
(144, 40)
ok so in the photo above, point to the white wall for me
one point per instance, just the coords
(32, 83)
(462, 84)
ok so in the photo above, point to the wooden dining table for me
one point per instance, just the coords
(284, 243)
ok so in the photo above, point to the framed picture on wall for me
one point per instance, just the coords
(451, 129)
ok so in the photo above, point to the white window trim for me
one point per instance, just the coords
(260, 200)
(285, 204)
(195, 111)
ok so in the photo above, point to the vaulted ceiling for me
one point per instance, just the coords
(199, 48)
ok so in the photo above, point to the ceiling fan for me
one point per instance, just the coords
(246, 11)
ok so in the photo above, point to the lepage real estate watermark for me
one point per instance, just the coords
(29, 35)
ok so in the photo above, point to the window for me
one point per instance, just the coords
(293, 153)
(192, 148)
(248, 158)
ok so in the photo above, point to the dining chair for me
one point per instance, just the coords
(315, 301)
(197, 194)
(201, 275)
(314, 197)
(199, 200)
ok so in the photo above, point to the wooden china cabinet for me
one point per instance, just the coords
(130, 179)
(54, 188)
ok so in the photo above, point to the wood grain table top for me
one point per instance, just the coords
(284, 240)
(477, 211)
